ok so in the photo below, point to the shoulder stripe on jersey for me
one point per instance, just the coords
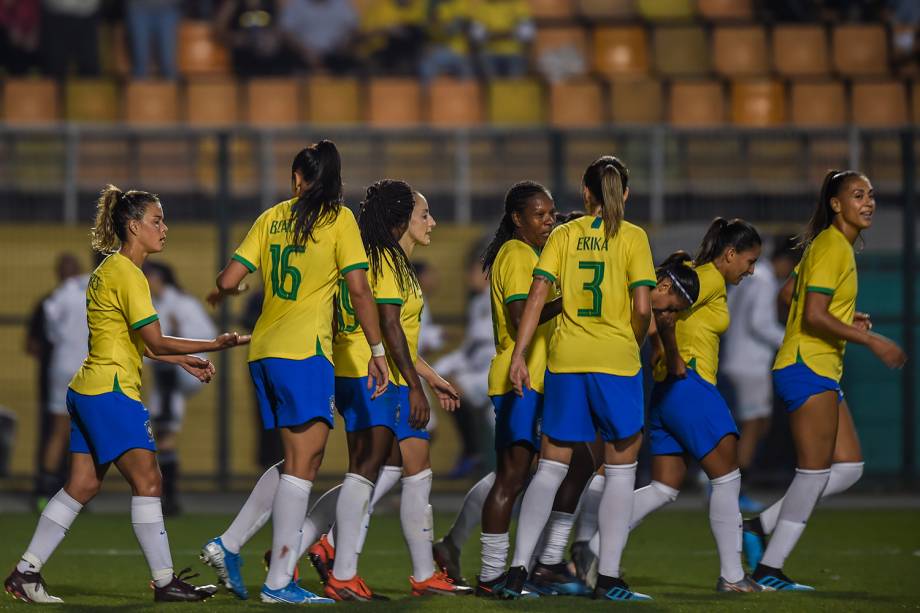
(396, 301)
(819, 290)
(357, 266)
(646, 282)
(249, 265)
(515, 298)
(147, 320)
(539, 272)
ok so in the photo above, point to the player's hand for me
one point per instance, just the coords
(665, 319)
(519, 375)
(419, 411)
(231, 339)
(448, 397)
(887, 351)
(657, 353)
(378, 376)
(201, 369)
(216, 295)
(677, 367)
(862, 321)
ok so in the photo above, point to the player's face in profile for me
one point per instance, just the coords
(421, 222)
(741, 264)
(537, 220)
(151, 229)
(664, 299)
(856, 203)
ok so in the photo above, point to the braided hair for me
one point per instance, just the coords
(383, 218)
(515, 202)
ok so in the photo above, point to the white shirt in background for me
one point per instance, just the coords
(755, 334)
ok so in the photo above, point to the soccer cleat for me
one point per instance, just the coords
(322, 556)
(745, 585)
(438, 584)
(180, 590)
(512, 588)
(267, 562)
(488, 589)
(227, 565)
(447, 557)
(557, 580)
(29, 587)
(753, 541)
(582, 558)
(354, 589)
(292, 594)
(614, 588)
(773, 580)
(749, 505)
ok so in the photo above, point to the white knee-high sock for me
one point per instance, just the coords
(349, 515)
(147, 521)
(255, 511)
(288, 512)
(586, 522)
(55, 521)
(535, 509)
(725, 522)
(319, 518)
(494, 555)
(649, 498)
(843, 476)
(799, 502)
(614, 517)
(556, 537)
(387, 478)
(470, 514)
(418, 523)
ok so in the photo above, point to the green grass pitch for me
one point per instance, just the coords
(858, 560)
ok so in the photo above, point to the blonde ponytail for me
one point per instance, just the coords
(613, 208)
(104, 236)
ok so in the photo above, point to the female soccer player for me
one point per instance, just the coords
(109, 423)
(303, 246)
(593, 380)
(808, 367)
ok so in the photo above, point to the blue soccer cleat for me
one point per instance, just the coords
(749, 505)
(774, 580)
(227, 565)
(292, 594)
(614, 588)
(556, 580)
(753, 541)
(512, 587)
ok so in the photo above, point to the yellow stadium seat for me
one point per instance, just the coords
(211, 102)
(576, 104)
(394, 102)
(515, 102)
(550, 39)
(681, 51)
(800, 50)
(696, 103)
(332, 100)
(30, 101)
(635, 101)
(273, 102)
(879, 104)
(91, 100)
(818, 104)
(717, 10)
(739, 51)
(620, 51)
(151, 102)
(758, 103)
(552, 9)
(199, 51)
(607, 9)
(665, 10)
(454, 103)
(860, 50)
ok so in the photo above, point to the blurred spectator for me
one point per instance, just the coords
(269, 450)
(251, 29)
(70, 32)
(321, 33)
(749, 347)
(153, 23)
(431, 338)
(905, 22)
(503, 29)
(394, 35)
(20, 26)
(450, 31)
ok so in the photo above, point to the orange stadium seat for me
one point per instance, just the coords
(758, 103)
(718, 10)
(879, 103)
(332, 100)
(576, 104)
(211, 102)
(681, 51)
(860, 50)
(915, 103)
(515, 102)
(91, 100)
(552, 9)
(696, 103)
(635, 101)
(199, 52)
(454, 103)
(30, 101)
(664, 10)
(151, 102)
(551, 39)
(273, 102)
(739, 51)
(607, 9)
(620, 51)
(818, 104)
(800, 50)
(394, 102)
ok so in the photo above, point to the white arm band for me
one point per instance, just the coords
(377, 350)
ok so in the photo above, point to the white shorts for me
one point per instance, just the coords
(753, 396)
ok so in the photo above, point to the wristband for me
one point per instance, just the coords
(377, 350)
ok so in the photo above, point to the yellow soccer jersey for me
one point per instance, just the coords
(446, 31)
(385, 14)
(510, 280)
(350, 349)
(593, 333)
(300, 281)
(500, 18)
(118, 304)
(827, 267)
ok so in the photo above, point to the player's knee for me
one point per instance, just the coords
(148, 483)
(83, 490)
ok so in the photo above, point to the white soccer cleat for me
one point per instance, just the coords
(29, 587)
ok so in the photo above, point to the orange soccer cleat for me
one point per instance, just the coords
(322, 555)
(354, 589)
(438, 584)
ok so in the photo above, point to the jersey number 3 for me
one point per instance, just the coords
(593, 286)
(282, 269)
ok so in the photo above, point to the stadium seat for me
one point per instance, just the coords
(665, 10)
(552, 9)
(758, 103)
(879, 104)
(28, 101)
(915, 103)
(394, 102)
(681, 51)
(620, 51)
(515, 102)
(606, 9)
(800, 50)
(199, 52)
(818, 104)
(696, 104)
(721, 10)
(332, 100)
(91, 100)
(739, 51)
(635, 101)
(860, 50)
(273, 102)
(551, 40)
(454, 103)
(211, 102)
(151, 102)
(576, 104)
